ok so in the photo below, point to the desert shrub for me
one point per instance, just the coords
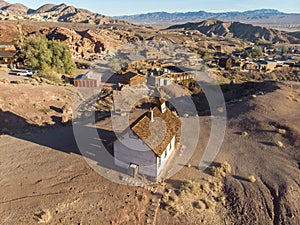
(281, 131)
(48, 75)
(172, 204)
(188, 186)
(215, 186)
(191, 195)
(244, 134)
(279, 144)
(226, 167)
(221, 170)
(252, 179)
(200, 205)
(255, 53)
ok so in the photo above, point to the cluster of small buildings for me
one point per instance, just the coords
(271, 59)
(153, 74)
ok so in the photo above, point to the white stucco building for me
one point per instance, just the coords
(149, 142)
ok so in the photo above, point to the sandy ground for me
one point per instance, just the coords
(4, 74)
(44, 179)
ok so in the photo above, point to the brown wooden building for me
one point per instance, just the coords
(178, 74)
(134, 79)
(7, 53)
(7, 57)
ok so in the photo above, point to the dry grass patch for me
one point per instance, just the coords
(281, 131)
(191, 195)
(244, 134)
(251, 179)
(220, 170)
(279, 144)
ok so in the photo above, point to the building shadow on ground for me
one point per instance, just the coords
(96, 144)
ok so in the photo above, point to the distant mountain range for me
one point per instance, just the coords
(51, 12)
(248, 32)
(230, 28)
(262, 16)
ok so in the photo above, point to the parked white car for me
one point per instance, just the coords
(24, 73)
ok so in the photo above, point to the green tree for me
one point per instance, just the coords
(256, 53)
(47, 55)
(284, 49)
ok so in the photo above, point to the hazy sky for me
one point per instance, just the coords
(126, 7)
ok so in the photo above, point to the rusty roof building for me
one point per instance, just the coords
(147, 145)
(152, 136)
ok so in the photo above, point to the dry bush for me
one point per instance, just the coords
(4, 81)
(279, 144)
(42, 216)
(200, 205)
(216, 186)
(281, 131)
(221, 171)
(244, 134)
(172, 204)
(204, 195)
(226, 167)
(189, 186)
(252, 179)
(20, 81)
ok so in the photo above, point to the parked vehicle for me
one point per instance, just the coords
(21, 73)
(24, 73)
(33, 71)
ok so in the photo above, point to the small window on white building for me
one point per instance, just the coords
(166, 153)
(158, 162)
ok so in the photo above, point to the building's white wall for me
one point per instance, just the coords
(129, 150)
(165, 156)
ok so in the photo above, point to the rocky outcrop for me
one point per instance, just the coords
(82, 44)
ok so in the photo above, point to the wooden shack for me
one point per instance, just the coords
(134, 79)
